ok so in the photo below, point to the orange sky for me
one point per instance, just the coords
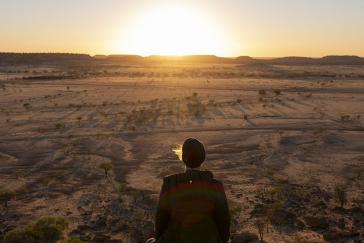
(263, 28)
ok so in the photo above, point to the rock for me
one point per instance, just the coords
(244, 237)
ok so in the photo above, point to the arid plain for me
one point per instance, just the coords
(283, 139)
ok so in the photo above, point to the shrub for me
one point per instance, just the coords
(106, 167)
(79, 120)
(260, 224)
(60, 126)
(6, 196)
(274, 215)
(50, 228)
(262, 92)
(20, 235)
(345, 117)
(45, 230)
(341, 194)
(26, 105)
(234, 209)
(277, 92)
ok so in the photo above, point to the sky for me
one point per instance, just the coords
(258, 28)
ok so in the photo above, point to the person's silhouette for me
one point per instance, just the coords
(192, 205)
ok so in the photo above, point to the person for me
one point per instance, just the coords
(192, 205)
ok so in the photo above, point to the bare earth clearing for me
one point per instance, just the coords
(281, 138)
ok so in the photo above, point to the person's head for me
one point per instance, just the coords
(193, 153)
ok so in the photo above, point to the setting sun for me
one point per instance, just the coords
(173, 30)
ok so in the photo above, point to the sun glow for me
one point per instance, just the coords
(173, 30)
(178, 151)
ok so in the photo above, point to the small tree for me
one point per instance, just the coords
(79, 120)
(273, 216)
(106, 167)
(6, 196)
(341, 194)
(260, 224)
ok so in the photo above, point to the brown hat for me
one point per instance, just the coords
(193, 153)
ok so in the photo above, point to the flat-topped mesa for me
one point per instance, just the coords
(342, 60)
(68, 58)
(42, 58)
(124, 58)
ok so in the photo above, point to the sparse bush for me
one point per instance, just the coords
(345, 118)
(260, 224)
(262, 92)
(273, 213)
(234, 208)
(106, 167)
(60, 126)
(6, 196)
(26, 105)
(20, 235)
(79, 119)
(277, 92)
(45, 230)
(341, 194)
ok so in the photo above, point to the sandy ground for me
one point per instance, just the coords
(275, 135)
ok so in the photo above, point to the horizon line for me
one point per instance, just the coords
(187, 55)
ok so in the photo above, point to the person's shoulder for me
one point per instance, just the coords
(203, 175)
(172, 179)
(173, 176)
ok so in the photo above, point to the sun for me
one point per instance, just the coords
(173, 30)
